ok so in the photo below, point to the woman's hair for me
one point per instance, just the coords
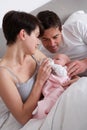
(49, 19)
(14, 21)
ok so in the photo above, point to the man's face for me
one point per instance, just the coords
(51, 39)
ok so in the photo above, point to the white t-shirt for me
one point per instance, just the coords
(74, 43)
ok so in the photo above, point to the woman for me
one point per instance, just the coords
(20, 89)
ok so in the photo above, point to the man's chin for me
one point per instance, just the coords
(53, 50)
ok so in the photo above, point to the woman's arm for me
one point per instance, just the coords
(39, 55)
(11, 97)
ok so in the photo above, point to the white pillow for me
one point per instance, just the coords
(78, 15)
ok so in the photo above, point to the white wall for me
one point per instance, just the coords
(63, 7)
(22, 5)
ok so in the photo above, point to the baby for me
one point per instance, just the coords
(53, 88)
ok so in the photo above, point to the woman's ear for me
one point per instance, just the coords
(22, 34)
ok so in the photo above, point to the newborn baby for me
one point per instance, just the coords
(52, 88)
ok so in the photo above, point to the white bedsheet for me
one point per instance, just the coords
(69, 112)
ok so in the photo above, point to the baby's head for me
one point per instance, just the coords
(61, 59)
(58, 69)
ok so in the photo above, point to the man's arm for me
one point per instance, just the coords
(39, 55)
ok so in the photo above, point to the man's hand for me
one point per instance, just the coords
(76, 67)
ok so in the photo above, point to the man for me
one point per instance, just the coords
(70, 39)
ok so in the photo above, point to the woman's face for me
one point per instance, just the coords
(32, 41)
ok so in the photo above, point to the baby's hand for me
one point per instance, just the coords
(69, 82)
(74, 79)
(66, 84)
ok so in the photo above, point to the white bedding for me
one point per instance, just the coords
(78, 15)
(69, 112)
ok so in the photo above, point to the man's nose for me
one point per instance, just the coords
(52, 42)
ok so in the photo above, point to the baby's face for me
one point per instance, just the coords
(61, 59)
(60, 62)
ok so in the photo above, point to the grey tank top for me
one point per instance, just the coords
(26, 87)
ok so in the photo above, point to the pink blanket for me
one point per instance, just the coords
(51, 91)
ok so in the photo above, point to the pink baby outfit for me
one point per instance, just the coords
(51, 91)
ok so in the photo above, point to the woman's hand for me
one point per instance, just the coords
(44, 71)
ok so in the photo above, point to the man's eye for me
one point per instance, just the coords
(55, 37)
(45, 39)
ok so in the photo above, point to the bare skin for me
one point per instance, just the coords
(18, 59)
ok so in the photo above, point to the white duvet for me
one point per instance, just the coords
(69, 112)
